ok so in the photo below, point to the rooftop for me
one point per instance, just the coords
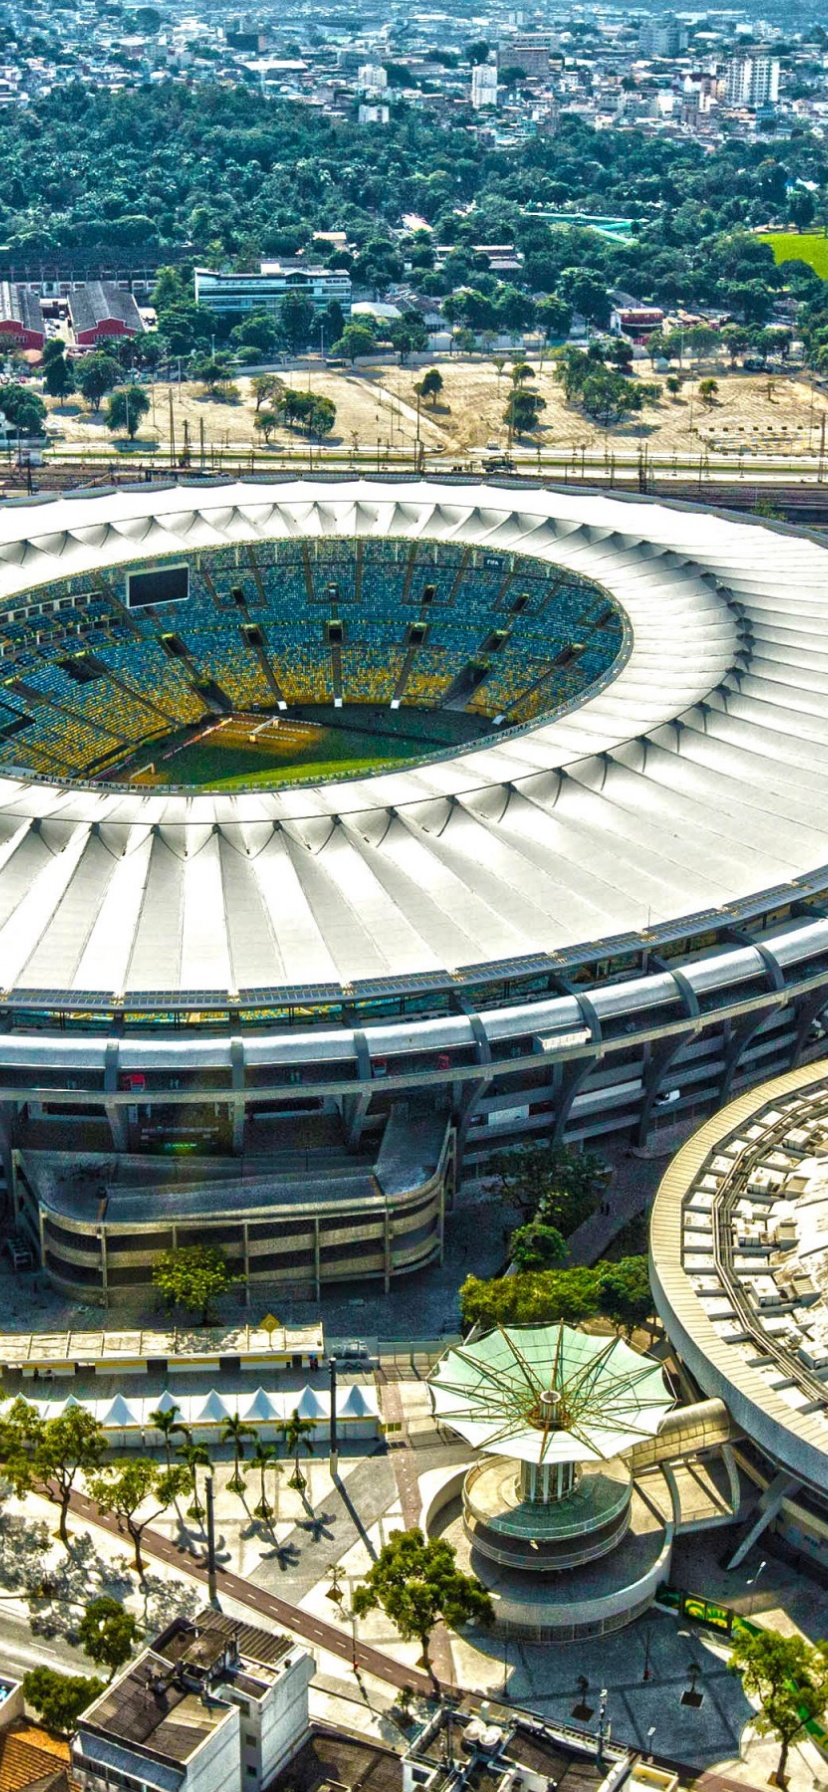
(152, 1707)
(170, 1700)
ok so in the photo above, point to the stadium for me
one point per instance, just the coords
(353, 831)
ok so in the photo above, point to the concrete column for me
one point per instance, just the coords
(316, 1257)
(387, 1251)
(114, 1112)
(104, 1266)
(237, 1076)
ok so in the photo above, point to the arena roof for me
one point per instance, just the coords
(737, 1267)
(693, 779)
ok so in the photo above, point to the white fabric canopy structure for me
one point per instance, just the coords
(208, 1413)
(695, 777)
(549, 1394)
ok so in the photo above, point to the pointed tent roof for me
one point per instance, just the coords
(263, 1406)
(356, 1403)
(166, 1403)
(118, 1412)
(311, 1405)
(213, 1410)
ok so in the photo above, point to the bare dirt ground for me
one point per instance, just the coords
(778, 414)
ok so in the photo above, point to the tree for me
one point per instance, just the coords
(801, 208)
(674, 383)
(60, 1698)
(234, 1432)
(537, 1246)
(408, 335)
(296, 320)
(192, 1276)
(108, 1633)
(476, 52)
(533, 1297)
(430, 386)
(737, 341)
(127, 405)
(58, 375)
(707, 391)
(417, 1584)
(620, 352)
(551, 1182)
(48, 1455)
(266, 388)
(356, 339)
(265, 423)
(789, 1678)
(521, 372)
(123, 1488)
(97, 374)
(609, 396)
(624, 1293)
(298, 1435)
(511, 76)
(587, 294)
(263, 1458)
(165, 1419)
(554, 317)
(259, 331)
(211, 369)
(194, 1456)
(331, 322)
(23, 409)
(522, 411)
(321, 417)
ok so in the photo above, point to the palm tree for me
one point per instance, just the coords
(297, 1435)
(164, 1420)
(195, 1456)
(263, 1458)
(234, 1432)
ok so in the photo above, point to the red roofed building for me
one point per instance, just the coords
(100, 310)
(21, 319)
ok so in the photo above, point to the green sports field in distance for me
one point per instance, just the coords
(788, 245)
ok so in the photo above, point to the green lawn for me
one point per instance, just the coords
(291, 774)
(788, 245)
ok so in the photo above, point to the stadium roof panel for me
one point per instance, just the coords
(687, 784)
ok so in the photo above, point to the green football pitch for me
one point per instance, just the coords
(264, 752)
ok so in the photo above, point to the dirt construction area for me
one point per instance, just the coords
(376, 408)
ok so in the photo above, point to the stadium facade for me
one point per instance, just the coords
(737, 1266)
(325, 1001)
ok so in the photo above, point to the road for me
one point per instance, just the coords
(20, 1650)
(267, 1605)
(620, 466)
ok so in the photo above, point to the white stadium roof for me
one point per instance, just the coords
(697, 777)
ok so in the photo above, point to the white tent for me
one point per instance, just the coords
(212, 1411)
(262, 1408)
(311, 1405)
(166, 1403)
(117, 1412)
(356, 1403)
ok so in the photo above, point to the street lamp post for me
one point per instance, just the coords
(752, 1584)
(334, 1459)
(602, 1713)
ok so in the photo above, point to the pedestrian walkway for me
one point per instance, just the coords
(311, 1629)
(406, 1475)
